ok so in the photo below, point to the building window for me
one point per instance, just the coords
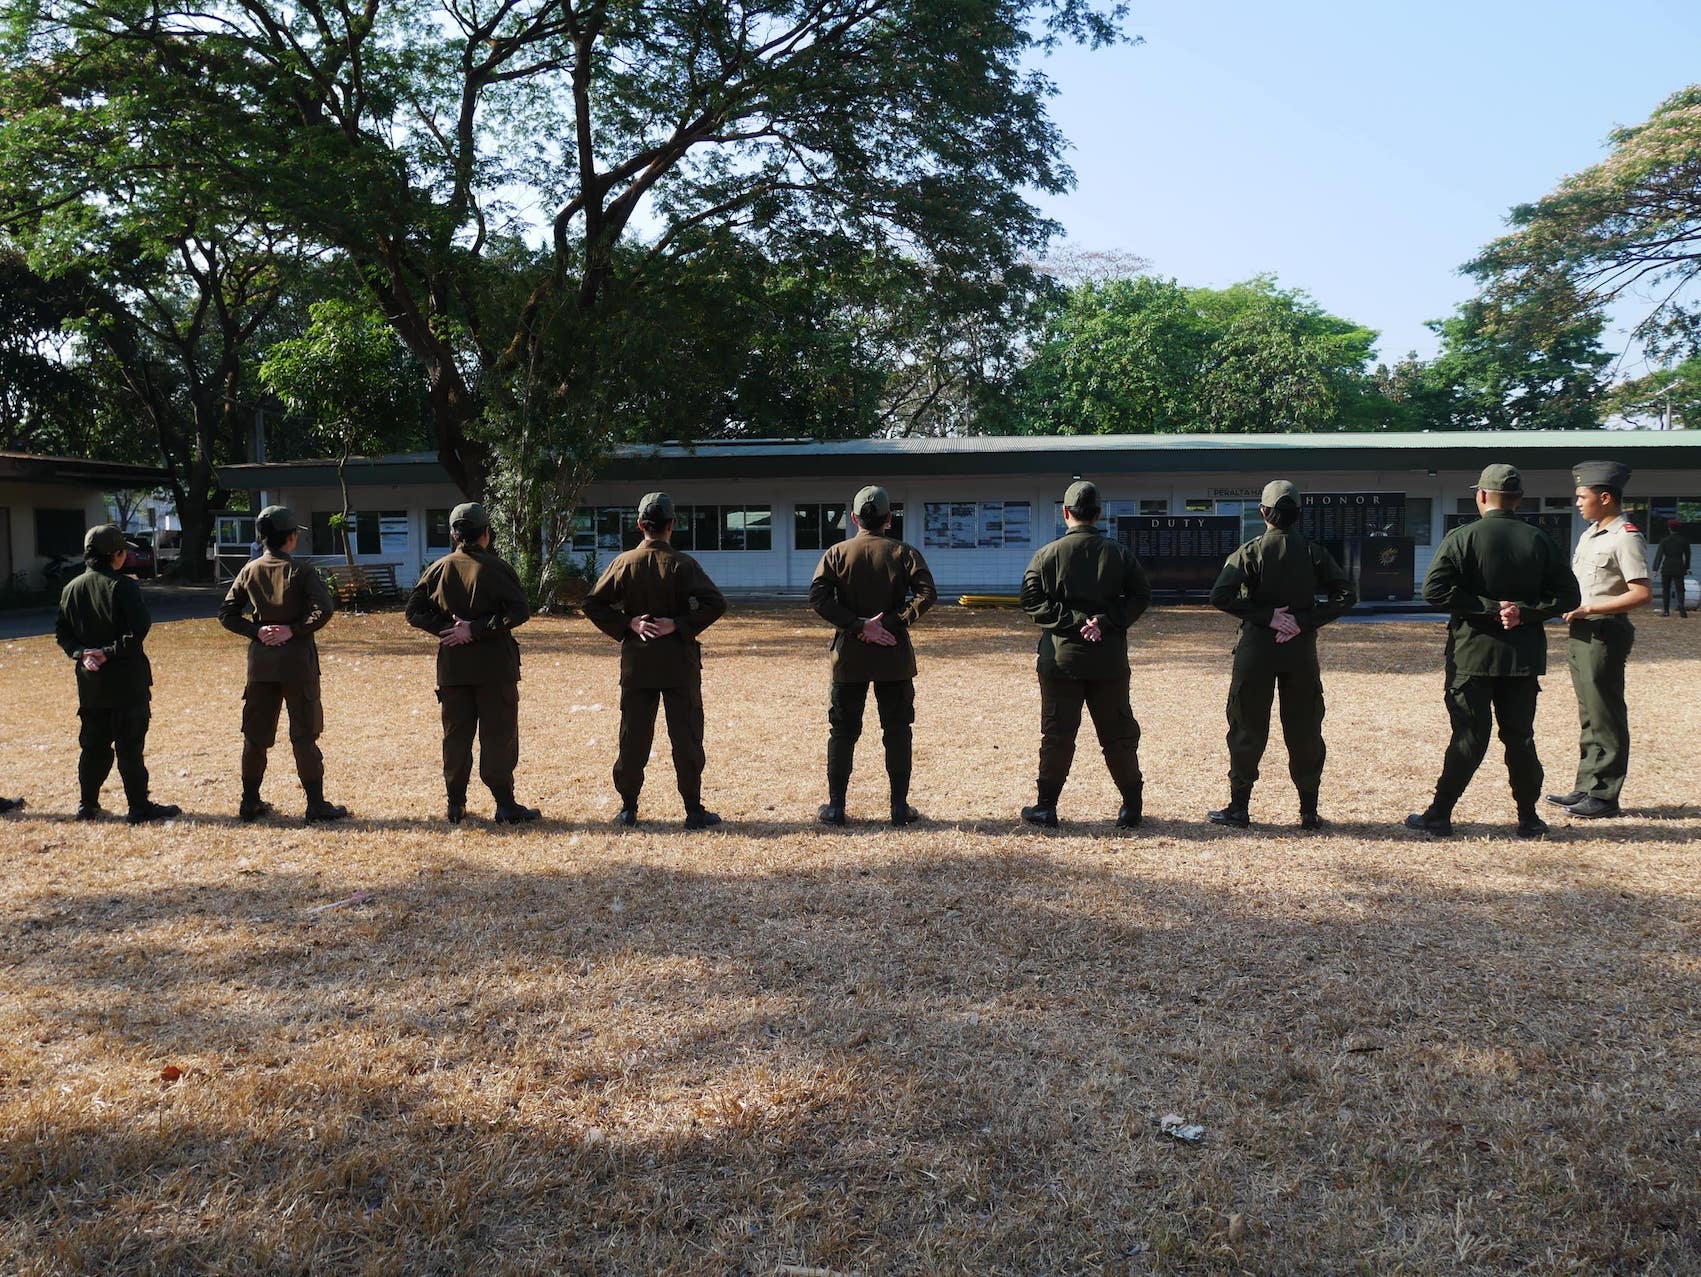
(896, 528)
(818, 525)
(1420, 519)
(1465, 505)
(59, 532)
(969, 525)
(1558, 503)
(233, 532)
(437, 530)
(1199, 505)
(1154, 507)
(376, 532)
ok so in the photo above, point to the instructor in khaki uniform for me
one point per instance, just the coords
(279, 605)
(101, 626)
(1500, 578)
(1084, 591)
(1611, 563)
(655, 601)
(472, 602)
(1272, 584)
(871, 589)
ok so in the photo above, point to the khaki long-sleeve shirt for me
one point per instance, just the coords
(872, 575)
(275, 590)
(654, 579)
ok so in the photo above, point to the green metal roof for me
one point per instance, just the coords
(1099, 455)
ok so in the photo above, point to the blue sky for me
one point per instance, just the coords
(1362, 152)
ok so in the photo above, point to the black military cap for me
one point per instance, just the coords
(275, 521)
(469, 519)
(1601, 474)
(107, 539)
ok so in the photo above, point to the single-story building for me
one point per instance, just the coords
(48, 503)
(759, 513)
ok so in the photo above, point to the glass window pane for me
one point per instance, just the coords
(682, 528)
(759, 527)
(1420, 519)
(896, 530)
(732, 527)
(437, 529)
(608, 530)
(833, 524)
(631, 535)
(367, 536)
(1251, 521)
(806, 527)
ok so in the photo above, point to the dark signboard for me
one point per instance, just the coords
(1181, 552)
(1333, 517)
(1557, 525)
(1384, 568)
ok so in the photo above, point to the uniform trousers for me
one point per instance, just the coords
(491, 711)
(1599, 650)
(1261, 669)
(105, 733)
(1061, 700)
(684, 707)
(895, 701)
(1475, 702)
(261, 704)
(1668, 586)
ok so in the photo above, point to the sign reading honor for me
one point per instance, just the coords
(1181, 552)
(1334, 517)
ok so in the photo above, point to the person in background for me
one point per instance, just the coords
(1500, 578)
(279, 605)
(655, 602)
(1273, 583)
(1611, 563)
(872, 589)
(471, 601)
(102, 623)
(1671, 561)
(1085, 590)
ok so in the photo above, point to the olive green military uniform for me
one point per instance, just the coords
(1492, 672)
(1281, 569)
(656, 580)
(478, 683)
(1671, 561)
(102, 610)
(1609, 557)
(1081, 576)
(275, 590)
(871, 575)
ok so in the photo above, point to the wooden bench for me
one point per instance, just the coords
(362, 583)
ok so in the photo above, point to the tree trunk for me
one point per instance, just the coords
(348, 514)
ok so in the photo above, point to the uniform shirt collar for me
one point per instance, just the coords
(1083, 529)
(1495, 512)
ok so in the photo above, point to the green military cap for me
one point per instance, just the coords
(1600, 474)
(1276, 491)
(873, 495)
(655, 507)
(1501, 477)
(1083, 494)
(469, 518)
(275, 521)
(107, 539)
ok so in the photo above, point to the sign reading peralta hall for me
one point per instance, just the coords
(1336, 517)
(1182, 552)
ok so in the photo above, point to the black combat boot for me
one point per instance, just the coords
(456, 811)
(698, 816)
(148, 811)
(1133, 807)
(627, 816)
(832, 812)
(510, 811)
(252, 806)
(902, 812)
(1237, 812)
(1530, 824)
(1308, 817)
(320, 812)
(1044, 811)
(11, 804)
(1433, 820)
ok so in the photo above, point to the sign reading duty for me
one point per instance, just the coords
(1183, 552)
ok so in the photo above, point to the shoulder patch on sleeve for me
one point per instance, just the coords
(1630, 527)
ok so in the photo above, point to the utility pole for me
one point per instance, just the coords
(1665, 408)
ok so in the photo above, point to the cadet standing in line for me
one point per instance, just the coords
(1271, 583)
(1611, 563)
(1500, 578)
(1084, 591)
(472, 601)
(872, 589)
(102, 623)
(655, 601)
(279, 605)
(1671, 561)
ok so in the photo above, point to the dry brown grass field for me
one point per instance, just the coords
(775, 1049)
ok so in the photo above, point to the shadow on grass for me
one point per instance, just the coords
(880, 1064)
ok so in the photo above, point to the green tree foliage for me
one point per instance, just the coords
(1667, 397)
(1626, 229)
(1516, 359)
(46, 402)
(429, 142)
(1148, 355)
(352, 379)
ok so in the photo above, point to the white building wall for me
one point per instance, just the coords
(20, 501)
